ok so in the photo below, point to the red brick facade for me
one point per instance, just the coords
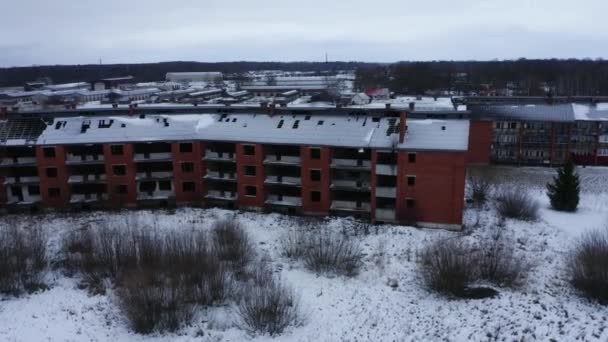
(244, 182)
(116, 183)
(323, 164)
(480, 142)
(187, 170)
(54, 176)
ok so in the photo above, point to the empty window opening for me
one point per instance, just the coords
(320, 123)
(315, 196)
(248, 150)
(411, 180)
(185, 147)
(119, 170)
(315, 153)
(54, 192)
(410, 203)
(411, 157)
(122, 189)
(164, 185)
(249, 170)
(187, 167)
(188, 186)
(51, 172)
(117, 150)
(280, 124)
(48, 152)
(296, 124)
(33, 190)
(315, 175)
(251, 191)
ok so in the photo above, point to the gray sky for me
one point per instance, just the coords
(83, 31)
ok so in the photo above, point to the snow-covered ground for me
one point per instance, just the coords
(363, 308)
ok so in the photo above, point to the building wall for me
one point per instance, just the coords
(113, 181)
(323, 186)
(243, 181)
(179, 176)
(438, 191)
(59, 182)
(480, 142)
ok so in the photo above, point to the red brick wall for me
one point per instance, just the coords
(196, 176)
(439, 188)
(128, 179)
(323, 164)
(373, 181)
(480, 141)
(256, 160)
(60, 182)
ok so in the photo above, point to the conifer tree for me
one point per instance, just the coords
(565, 188)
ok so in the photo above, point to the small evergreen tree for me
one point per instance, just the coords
(564, 190)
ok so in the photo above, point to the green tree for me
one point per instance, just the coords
(565, 188)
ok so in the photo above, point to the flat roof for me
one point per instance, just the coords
(356, 131)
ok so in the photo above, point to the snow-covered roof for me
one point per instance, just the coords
(597, 112)
(358, 131)
(568, 112)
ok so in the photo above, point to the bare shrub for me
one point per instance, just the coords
(232, 245)
(497, 261)
(295, 243)
(588, 265)
(516, 203)
(268, 309)
(152, 302)
(22, 259)
(480, 185)
(448, 267)
(335, 253)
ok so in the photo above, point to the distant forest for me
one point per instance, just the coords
(517, 77)
(153, 71)
(521, 77)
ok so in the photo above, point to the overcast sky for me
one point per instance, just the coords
(82, 31)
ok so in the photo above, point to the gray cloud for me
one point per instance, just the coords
(76, 31)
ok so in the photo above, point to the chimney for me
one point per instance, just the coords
(402, 126)
(412, 106)
(387, 106)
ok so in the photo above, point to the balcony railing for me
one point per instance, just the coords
(91, 178)
(154, 175)
(386, 169)
(17, 161)
(350, 206)
(280, 159)
(350, 163)
(84, 198)
(215, 175)
(219, 156)
(284, 200)
(221, 195)
(152, 195)
(152, 156)
(21, 180)
(84, 158)
(286, 180)
(350, 184)
(386, 191)
(385, 214)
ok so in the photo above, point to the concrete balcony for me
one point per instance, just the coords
(88, 198)
(386, 169)
(350, 164)
(282, 160)
(155, 195)
(290, 201)
(21, 180)
(154, 175)
(19, 161)
(159, 156)
(87, 178)
(224, 176)
(386, 191)
(27, 199)
(385, 214)
(219, 156)
(350, 206)
(221, 195)
(84, 159)
(283, 180)
(350, 185)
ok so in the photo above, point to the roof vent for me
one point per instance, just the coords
(443, 128)
(86, 124)
(296, 124)
(412, 106)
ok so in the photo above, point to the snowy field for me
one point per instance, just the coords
(363, 308)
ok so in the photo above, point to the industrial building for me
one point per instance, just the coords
(390, 165)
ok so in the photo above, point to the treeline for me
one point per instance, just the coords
(154, 71)
(521, 77)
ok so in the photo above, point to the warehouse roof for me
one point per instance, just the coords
(358, 131)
